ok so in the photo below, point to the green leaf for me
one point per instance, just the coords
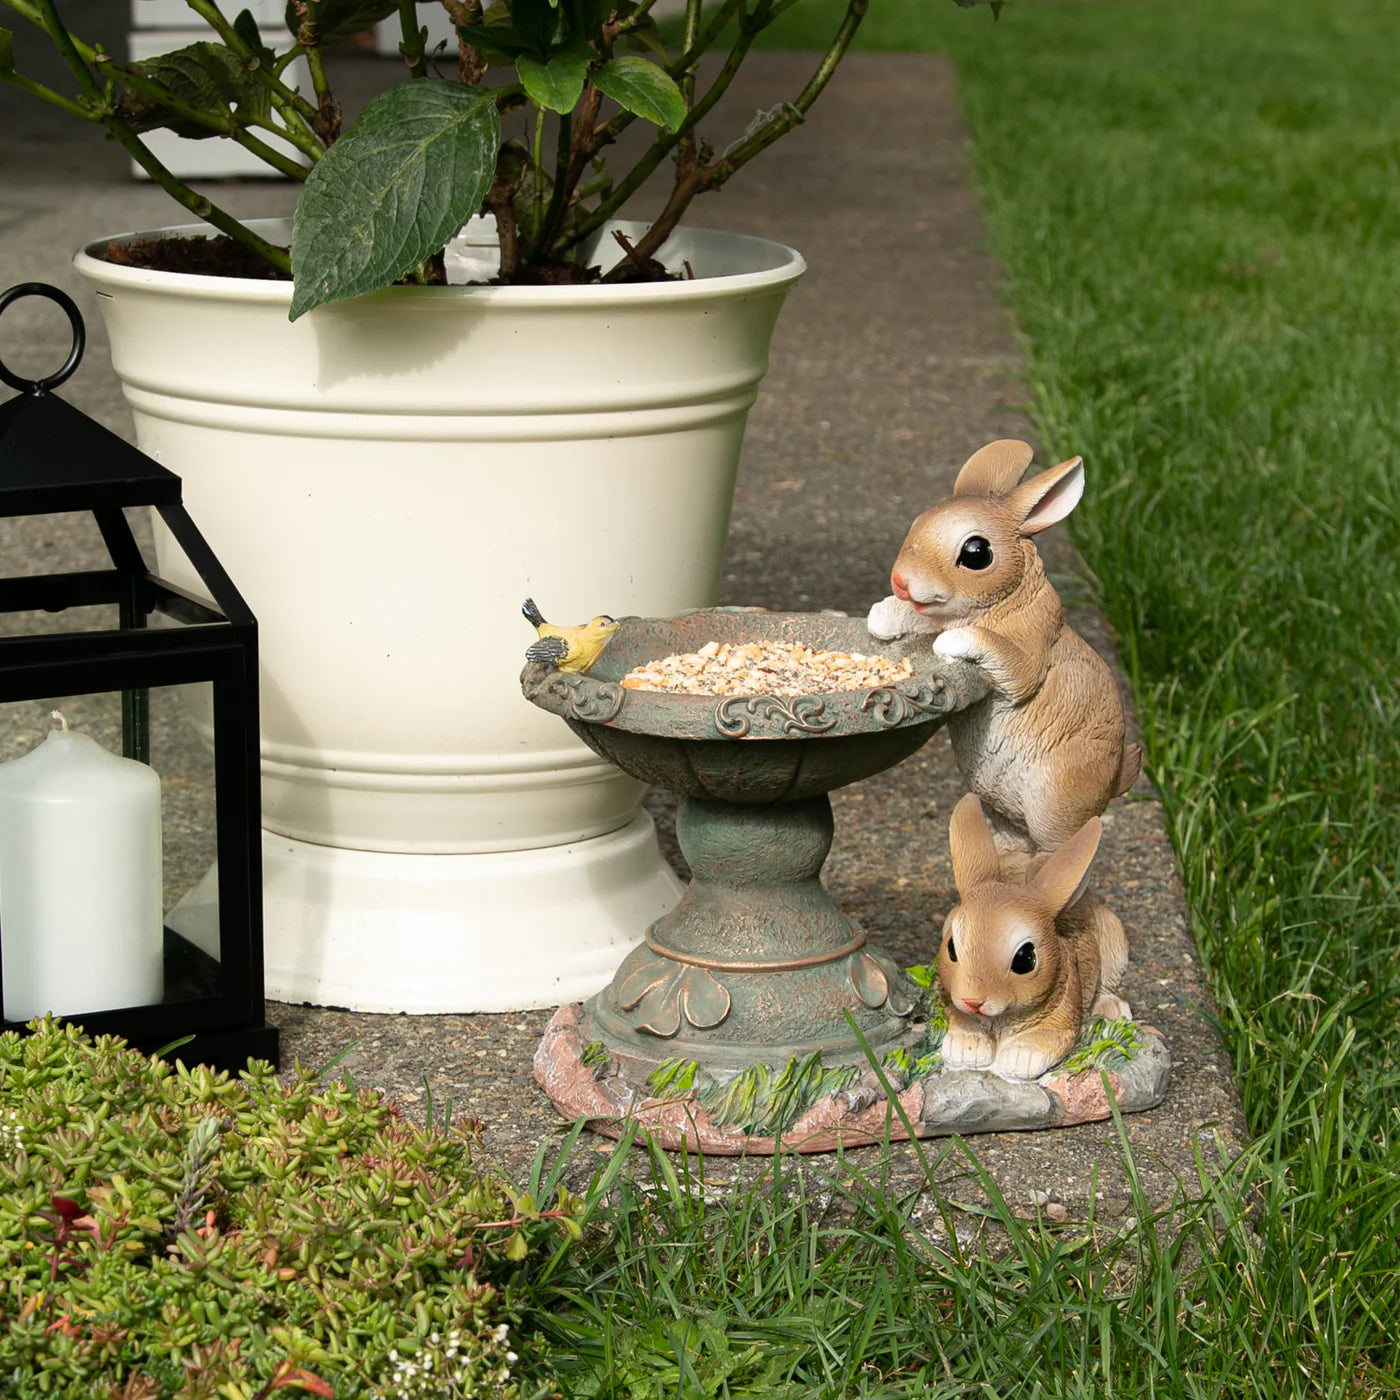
(647, 37)
(7, 51)
(557, 84)
(206, 76)
(923, 974)
(517, 1248)
(339, 20)
(246, 27)
(642, 88)
(538, 19)
(390, 193)
(498, 42)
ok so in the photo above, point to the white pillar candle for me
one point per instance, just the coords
(80, 880)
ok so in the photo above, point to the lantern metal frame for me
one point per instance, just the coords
(55, 459)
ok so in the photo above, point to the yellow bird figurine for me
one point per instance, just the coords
(567, 648)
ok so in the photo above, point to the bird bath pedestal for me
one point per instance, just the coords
(755, 1010)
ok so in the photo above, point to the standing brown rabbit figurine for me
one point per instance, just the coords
(1044, 750)
(1023, 964)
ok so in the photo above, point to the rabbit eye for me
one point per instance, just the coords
(952, 951)
(1023, 960)
(976, 553)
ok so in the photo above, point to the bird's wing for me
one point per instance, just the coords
(548, 651)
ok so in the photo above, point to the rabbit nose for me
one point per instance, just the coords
(897, 583)
(973, 1006)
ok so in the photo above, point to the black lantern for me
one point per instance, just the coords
(205, 983)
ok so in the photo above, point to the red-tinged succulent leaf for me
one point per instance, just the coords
(288, 1375)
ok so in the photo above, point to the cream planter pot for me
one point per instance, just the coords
(386, 480)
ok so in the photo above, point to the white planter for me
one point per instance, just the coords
(385, 480)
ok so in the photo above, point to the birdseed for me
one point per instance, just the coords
(765, 668)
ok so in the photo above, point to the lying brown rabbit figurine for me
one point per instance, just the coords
(1044, 750)
(1022, 965)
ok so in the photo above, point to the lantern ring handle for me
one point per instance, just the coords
(75, 319)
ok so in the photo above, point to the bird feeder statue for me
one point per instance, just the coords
(83, 928)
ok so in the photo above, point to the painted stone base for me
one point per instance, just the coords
(609, 1091)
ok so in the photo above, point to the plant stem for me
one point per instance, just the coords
(326, 123)
(224, 122)
(563, 169)
(122, 133)
(471, 65)
(295, 130)
(634, 20)
(792, 114)
(270, 155)
(692, 34)
(63, 41)
(537, 161)
(696, 49)
(412, 46)
(199, 205)
(680, 69)
(667, 141)
(295, 110)
(39, 90)
(694, 177)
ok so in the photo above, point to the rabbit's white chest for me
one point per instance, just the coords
(991, 761)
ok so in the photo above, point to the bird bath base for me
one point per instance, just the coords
(743, 1116)
(755, 1010)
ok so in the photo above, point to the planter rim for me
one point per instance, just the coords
(785, 266)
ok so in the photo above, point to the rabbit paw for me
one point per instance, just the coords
(1111, 1008)
(967, 1049)
(890, 618)
(958, 644)
(1018, 1060)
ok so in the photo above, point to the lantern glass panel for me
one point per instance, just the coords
(181, 741)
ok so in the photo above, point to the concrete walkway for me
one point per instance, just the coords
(893, 361)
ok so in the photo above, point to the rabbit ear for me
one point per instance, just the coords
(1065, 873)
(974, 852)
(1049, 497)
(994, 469)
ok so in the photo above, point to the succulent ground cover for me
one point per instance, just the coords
(175, 1232)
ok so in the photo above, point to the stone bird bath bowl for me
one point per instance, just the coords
(751, 985)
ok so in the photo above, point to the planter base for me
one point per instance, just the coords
(499, 932)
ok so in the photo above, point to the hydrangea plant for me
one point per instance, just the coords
(524, 127)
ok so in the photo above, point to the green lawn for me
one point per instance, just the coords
(1197, 207)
